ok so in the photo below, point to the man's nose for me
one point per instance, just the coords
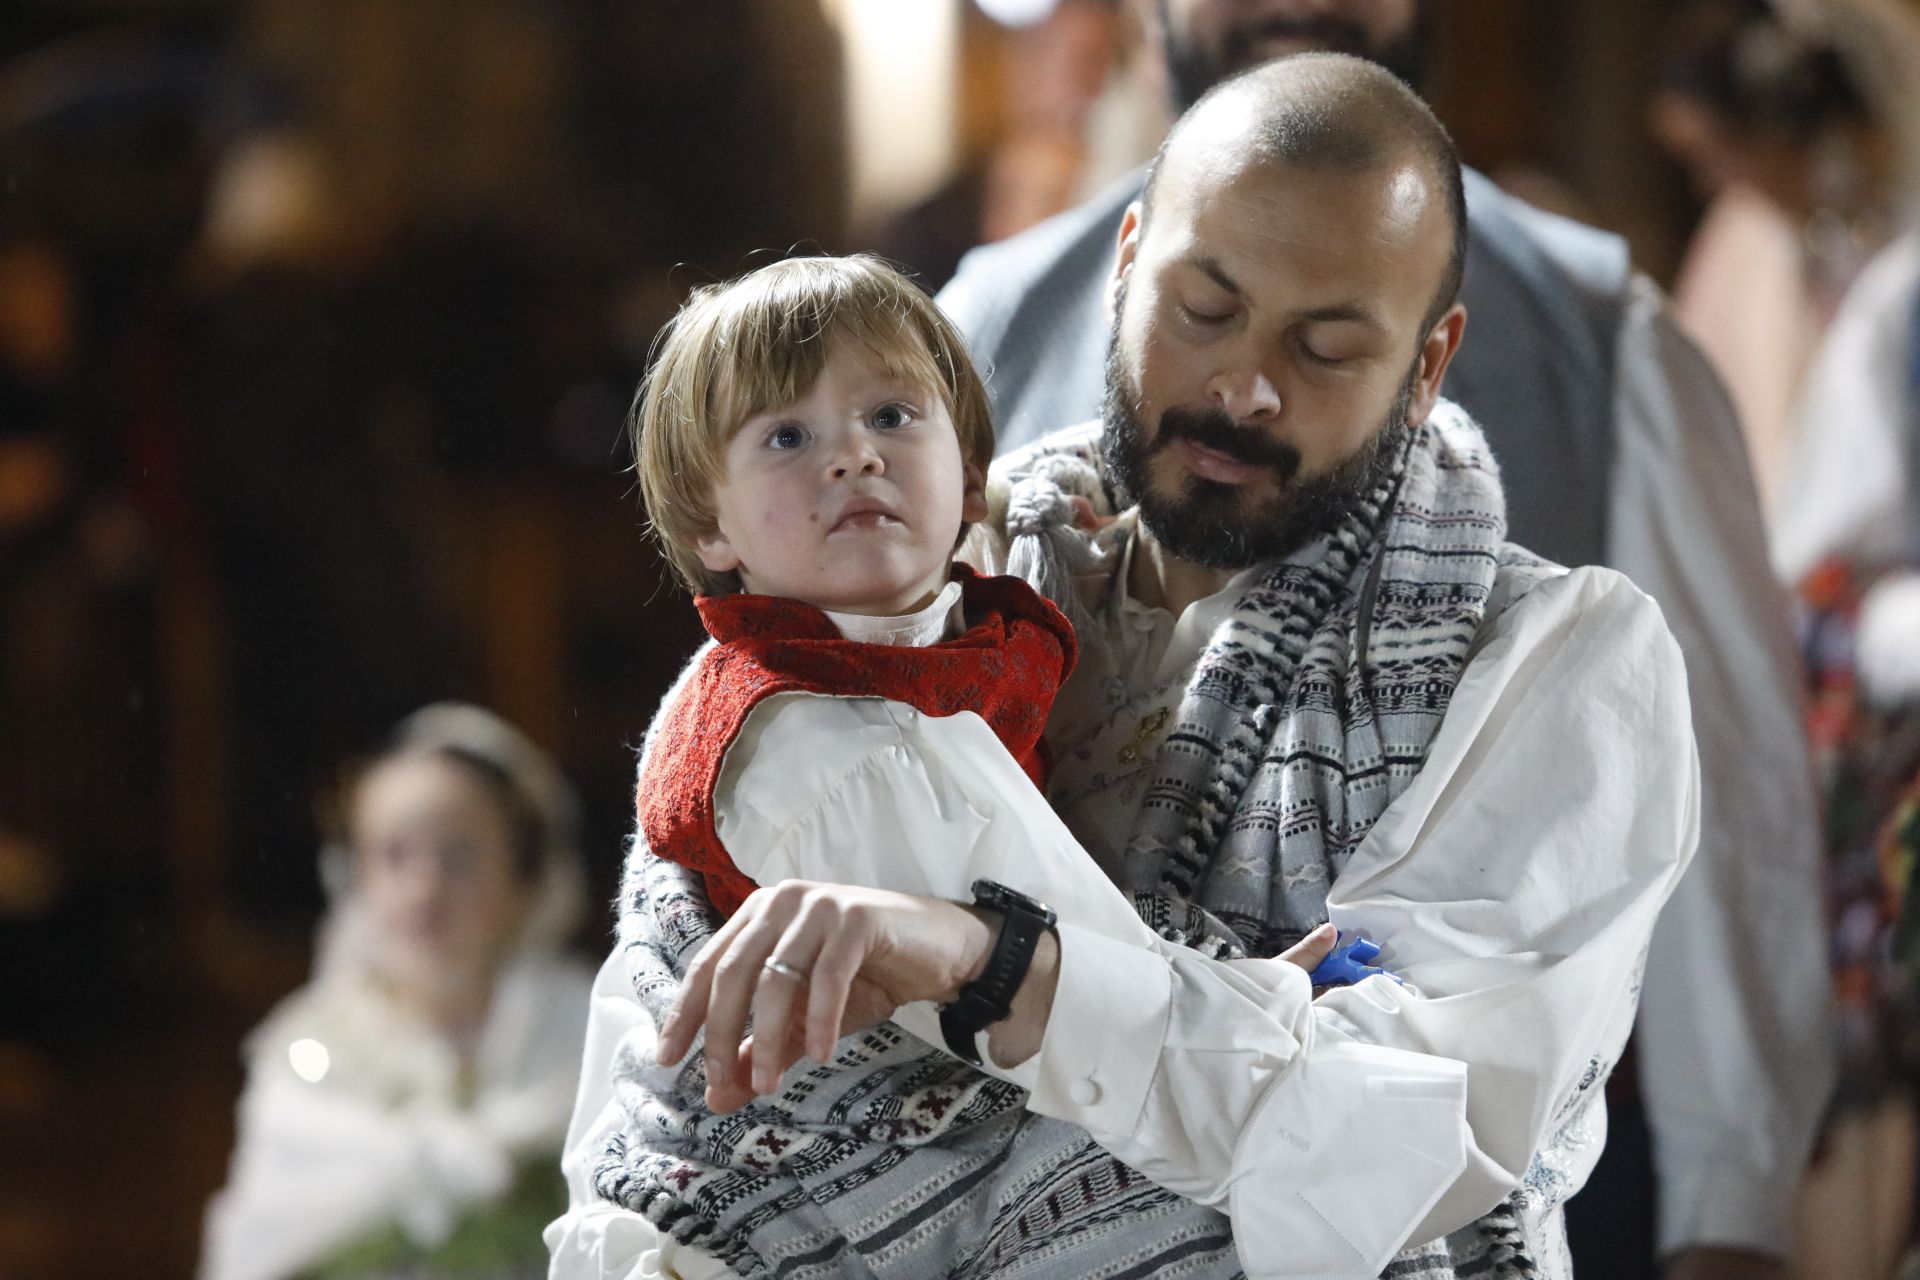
(1245, 395)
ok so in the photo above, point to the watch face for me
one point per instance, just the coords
(998, 897)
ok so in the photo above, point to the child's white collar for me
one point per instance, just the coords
(939, 621)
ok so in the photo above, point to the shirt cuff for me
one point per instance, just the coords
(1733, 1206)
(1105, 1035)
(1344, 1157)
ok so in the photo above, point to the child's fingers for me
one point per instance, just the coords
(1312, 949)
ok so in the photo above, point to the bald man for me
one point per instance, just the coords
(1617, 446)
(1316, 684)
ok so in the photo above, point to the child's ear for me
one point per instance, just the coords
(973, 501)
(715, 552)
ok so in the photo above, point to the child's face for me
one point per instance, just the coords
(849, 499)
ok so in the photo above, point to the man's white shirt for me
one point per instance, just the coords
(1514, 886)
(1738, 1064)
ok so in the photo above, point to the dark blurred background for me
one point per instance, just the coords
(318, 321)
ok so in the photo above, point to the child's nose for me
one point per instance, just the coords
(859, 458)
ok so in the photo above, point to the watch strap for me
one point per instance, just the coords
(989, 998)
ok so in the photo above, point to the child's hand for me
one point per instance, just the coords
(1085, 518)
(1312, 949)
(1348, 961)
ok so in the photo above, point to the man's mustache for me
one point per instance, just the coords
(1213, 429)
(1320, 30)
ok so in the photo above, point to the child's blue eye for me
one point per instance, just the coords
(788, 435)
(889, 417)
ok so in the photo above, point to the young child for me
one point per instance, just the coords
(812, 445)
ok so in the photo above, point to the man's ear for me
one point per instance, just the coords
(1436, 353)
(973, 500)
(716, 552)
(1125, 252)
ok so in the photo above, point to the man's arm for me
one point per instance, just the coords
(1515, 885)
(1735, 1046)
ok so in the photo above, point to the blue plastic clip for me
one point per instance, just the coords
(1348, 963)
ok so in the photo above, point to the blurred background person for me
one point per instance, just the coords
(1799, 122)
(404, 1111)
(1038, 152)
(1796, 121)
(1849, 483)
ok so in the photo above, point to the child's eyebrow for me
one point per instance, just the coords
(895, 383)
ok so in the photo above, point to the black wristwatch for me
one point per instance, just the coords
(989, 997)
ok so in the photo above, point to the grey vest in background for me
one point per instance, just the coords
(1536, 368)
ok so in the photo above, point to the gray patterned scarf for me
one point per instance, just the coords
(1306, 716)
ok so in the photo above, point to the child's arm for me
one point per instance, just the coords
(855, 791)
(793, 807)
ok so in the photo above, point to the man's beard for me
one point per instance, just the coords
(1191, 70)
(1216, 525)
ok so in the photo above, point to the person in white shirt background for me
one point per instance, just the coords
(1284, 319)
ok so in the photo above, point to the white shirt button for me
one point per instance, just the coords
(1084, 1093)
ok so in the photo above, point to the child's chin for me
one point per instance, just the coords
(890, 592)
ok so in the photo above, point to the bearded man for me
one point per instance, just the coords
(1617, 446)
(1317, 684)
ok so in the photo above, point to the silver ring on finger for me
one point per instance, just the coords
(773, 964)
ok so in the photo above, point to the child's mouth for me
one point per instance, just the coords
(865, 520)
(865, 512)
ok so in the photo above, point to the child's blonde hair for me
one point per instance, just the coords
(741, 348)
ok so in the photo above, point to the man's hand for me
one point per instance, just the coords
(810, 963)
(1723, 1264)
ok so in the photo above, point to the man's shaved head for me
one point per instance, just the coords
(1320, 111)
(1285, 314)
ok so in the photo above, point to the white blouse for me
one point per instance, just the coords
(356, 1115)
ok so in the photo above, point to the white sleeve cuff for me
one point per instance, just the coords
(1345, 1154)
(1105, 1034)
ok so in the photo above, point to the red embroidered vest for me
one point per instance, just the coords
(1006, 668)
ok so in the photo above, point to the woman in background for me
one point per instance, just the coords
(404, 1112)
(1790, 118)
